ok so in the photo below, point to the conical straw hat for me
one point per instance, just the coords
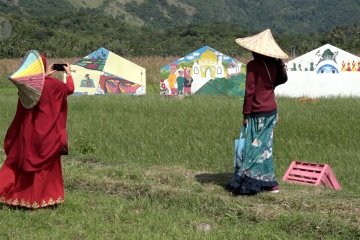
(262, 43)
(29, 79)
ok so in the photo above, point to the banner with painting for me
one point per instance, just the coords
(104, 72)
(205, 71)
(324, 72)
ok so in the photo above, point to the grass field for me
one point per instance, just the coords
(152, 167)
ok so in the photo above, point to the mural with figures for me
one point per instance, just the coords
(104, 72)
(204, 71)
(325, 71)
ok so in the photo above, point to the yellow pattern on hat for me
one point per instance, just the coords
(29, 79)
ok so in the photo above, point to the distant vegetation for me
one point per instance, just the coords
(160, 28)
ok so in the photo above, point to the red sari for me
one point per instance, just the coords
(31, 175)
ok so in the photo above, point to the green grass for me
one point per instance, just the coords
(154, 167)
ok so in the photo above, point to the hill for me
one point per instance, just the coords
(281, 16)
(69, 28)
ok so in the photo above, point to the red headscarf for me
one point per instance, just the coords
(43, 58)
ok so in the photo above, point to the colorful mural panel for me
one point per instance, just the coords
(104, 72)
(204, 71)
(325, 71)
(94, 61)
(326, 59)
(113, 84)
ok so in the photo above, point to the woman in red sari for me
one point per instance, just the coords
(31, 175)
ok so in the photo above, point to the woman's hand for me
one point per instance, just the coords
(49, 70)
(67, 69)
(245, 122)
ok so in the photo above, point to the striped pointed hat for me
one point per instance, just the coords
(29, 79)
(262, 43)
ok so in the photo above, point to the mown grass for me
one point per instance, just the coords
(152, 167)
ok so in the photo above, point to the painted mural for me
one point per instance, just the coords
(95, 60)
(204, 71)
(322, 72)
(325, 60)
(113, 84)
(104, 72)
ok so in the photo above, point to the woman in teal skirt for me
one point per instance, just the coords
(254, 168)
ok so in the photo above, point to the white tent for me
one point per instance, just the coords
(324, 72)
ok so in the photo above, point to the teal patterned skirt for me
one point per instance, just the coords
(254, 168)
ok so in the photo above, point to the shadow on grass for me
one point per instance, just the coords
(220, 179)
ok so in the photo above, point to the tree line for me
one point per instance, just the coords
(74, 34)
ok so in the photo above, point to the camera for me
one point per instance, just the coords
(59, 66)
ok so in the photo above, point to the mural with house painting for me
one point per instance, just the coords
(204, 71)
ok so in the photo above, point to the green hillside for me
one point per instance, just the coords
(68, 28)
(285, 15)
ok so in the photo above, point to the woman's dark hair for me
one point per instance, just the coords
(260, 56)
